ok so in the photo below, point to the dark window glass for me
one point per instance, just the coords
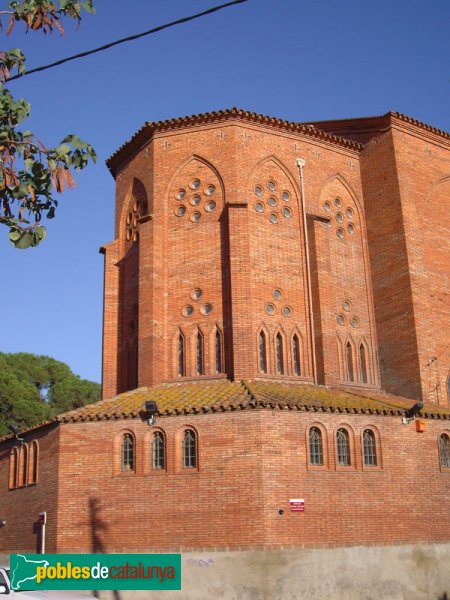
(296, 355)
(219, 367)
(181, 361)
(158, 451)
(351, 373)
(280, 357)
(33, 462)
(262, 353)
(315, 446)
(343, 447)
(189, 449)
(444, 450)
(370, 448)
(362, 358)
(127, 453)
(200, 363)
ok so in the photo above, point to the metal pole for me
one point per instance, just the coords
(300, 164)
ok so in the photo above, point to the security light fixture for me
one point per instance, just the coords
(412, 413)
(15, 430)
(151, 409)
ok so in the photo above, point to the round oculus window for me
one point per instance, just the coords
(195, 184)
(340, 319)
(135, 221)
(270, 309)
(206, 309)
(339, 218)
(349, 213)
(286, 212)
(346, 306)
(338, 202)
(259, 191)
(259, 207)
(135, 206)
(136, 236)
(181, 194)
(128, 235)
(129, 217)
(340, 233)
(287, 311)
(195, 217)
(351, 228)
(195, 200)
(272, 186)
(273, 218)
(210, 206)
(210, 190)
(354, 322)
(277, 294)
(272, 201)
(180, 211)
(187, 311)
(196, 294)
(285, 196)
(327, 206)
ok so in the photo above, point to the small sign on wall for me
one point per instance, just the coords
(297, 505)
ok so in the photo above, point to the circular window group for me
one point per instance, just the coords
(343, 217)
(274, 200)
(193, 197)
(271, 309)
(205, 309)
(341, 317)
(132, 222)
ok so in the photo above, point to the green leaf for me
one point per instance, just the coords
(24, 242)
(42, 232)
(15, 235)
(62, 150)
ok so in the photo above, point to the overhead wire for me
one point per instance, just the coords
(126, 39)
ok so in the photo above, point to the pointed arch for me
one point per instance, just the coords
(218, 350)
(23, 465)
(364, 361)
(181, 353)
(262, 344)
(278, 163)
(349, 355)
(338, 177)
(279, 345)
(33, 462)
(13, 468)
(199, 352)
(297, 353)
(196, 158)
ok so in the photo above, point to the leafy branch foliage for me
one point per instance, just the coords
(30, 172)
(36, 388)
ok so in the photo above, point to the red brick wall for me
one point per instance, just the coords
(20, 507)
(250, 464)
(237, 257)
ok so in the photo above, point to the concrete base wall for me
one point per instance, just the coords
(419, 572)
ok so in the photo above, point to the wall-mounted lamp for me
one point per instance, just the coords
(2, 522)
(151, 409)
(412, 413)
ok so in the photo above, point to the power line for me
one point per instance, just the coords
(127, 39)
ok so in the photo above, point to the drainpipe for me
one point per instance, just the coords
(300, 164)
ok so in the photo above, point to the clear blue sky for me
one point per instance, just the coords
(295, 59)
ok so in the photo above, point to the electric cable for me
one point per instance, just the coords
(126, 39)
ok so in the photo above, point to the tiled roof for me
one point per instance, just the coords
(224, 395)
(145, 133)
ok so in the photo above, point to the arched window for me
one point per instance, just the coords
(199, 354)
(189, 449)
(363, 363)
(296, 355)
(262, 352)
(33, 463)
(444, 450)
(127, 453)
(158, 451)
(315, 446)
(218, 346)
(279, 352)
(370, 448)
(350, 371)
(343, 448)
(13, 466)
(181, 356)
(23, 465)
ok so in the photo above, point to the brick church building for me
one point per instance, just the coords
(276, 302)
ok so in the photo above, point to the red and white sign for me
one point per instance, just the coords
(297, 505)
